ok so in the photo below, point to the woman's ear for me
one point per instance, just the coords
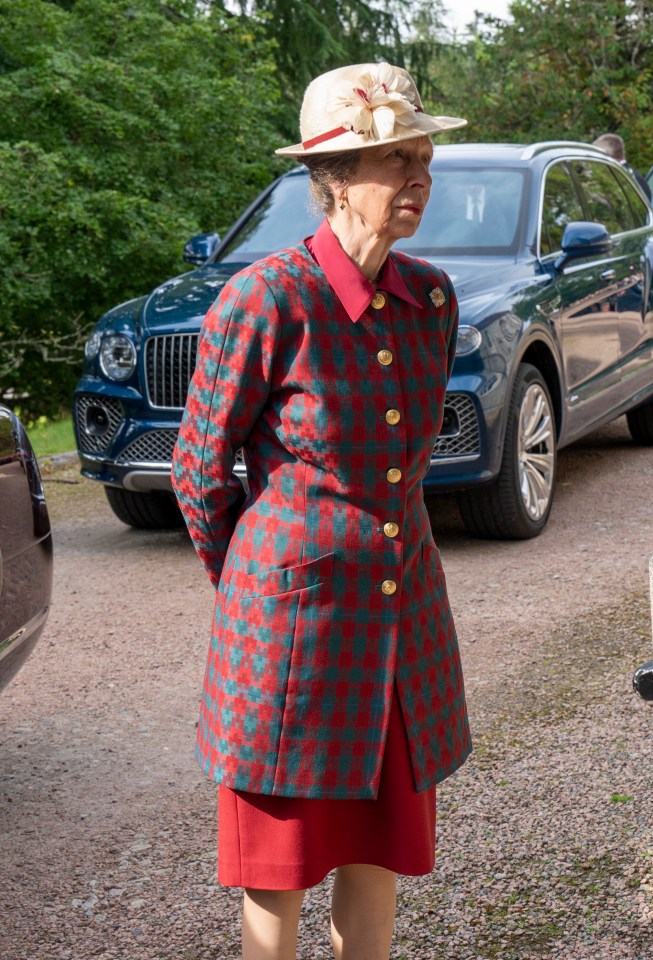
(337, 190)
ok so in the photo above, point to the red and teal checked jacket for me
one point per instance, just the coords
(329, 584)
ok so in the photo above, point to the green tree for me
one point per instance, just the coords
(564, 69)
(438, 62)
(125, 126)
(313, 36)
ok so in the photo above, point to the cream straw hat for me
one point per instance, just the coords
(361, 106)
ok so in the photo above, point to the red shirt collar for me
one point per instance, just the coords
(352, 287)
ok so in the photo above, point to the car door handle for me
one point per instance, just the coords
(548, 307)
(609, 275)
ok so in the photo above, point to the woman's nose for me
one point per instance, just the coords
(419, 175)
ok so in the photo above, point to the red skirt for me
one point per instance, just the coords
(290, 843)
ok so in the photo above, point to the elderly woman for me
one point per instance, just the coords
(333, 699)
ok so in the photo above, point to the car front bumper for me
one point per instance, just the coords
(124, 443)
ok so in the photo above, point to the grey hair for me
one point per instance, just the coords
(326, 169)
(612, 144)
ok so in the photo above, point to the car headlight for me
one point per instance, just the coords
(469, 339)
(92, 346)
(117, 357)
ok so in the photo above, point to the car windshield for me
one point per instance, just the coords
(282, 220)
(472, 211)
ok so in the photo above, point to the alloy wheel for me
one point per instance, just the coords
(536, 451)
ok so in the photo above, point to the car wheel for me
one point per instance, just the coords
(640, 424)
(156, 510)
(517, 504)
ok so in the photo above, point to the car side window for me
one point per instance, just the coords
(561, 206)
(637, 207)
(602, 194)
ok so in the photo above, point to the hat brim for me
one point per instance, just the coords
(354, 141)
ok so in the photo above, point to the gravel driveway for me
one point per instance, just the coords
(545, 837)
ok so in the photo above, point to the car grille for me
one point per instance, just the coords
(97, 420)
(466, 440)
(155, 446)
(169, 365)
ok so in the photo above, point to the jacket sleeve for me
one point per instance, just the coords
(452, 325)
(228, 391)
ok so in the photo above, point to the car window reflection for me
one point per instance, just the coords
(283, 219)
(471, 211)
(561, 206)
(603, 198)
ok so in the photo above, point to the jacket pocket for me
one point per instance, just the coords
(432, 567)
(278, 580)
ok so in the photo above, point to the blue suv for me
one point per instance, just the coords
(550, 247)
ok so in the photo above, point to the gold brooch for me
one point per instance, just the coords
(437, 297)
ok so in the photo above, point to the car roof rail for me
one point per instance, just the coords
(534, 148)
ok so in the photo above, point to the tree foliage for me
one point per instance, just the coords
(313, 36)
(438, 62)
(563, 69)
(124, 128)
(127, 125)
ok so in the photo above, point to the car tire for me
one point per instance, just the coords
(640, 424)
(517, 504)
(155, 510)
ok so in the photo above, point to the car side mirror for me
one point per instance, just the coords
(583, 238)
(200, 247)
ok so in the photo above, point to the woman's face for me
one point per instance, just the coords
(391, 188)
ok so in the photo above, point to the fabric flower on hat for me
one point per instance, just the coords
(372, 106)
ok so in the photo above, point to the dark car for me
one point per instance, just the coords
(643, 681)
(25, 548)
(643, 676)
(550, 248)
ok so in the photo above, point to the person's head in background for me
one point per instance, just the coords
(613, 145)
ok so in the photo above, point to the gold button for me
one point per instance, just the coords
(391, 529)
(393, 475)
(384, 357)
(388, 587)
(378, 301)
(393, 416)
